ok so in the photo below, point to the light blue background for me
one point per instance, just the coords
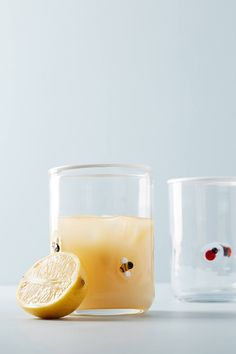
(150, 82)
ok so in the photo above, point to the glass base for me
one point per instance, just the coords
(207, 297)
(108, 312)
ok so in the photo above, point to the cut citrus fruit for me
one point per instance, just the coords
(53, 287)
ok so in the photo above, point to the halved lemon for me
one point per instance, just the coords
(53, 287)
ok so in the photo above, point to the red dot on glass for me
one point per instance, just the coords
(210, 256)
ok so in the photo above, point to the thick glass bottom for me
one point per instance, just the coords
(207, 297)
(108, 312)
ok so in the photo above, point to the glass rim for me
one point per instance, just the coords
(229, 180)
(143, 169)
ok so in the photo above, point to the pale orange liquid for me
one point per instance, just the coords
(103, 244)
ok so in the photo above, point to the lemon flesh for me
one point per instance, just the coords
(53, 287)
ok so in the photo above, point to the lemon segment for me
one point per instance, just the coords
(53, 287)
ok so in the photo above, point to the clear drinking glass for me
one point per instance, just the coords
(203, 229)
(102, 213)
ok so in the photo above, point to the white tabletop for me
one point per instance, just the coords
(169, 327)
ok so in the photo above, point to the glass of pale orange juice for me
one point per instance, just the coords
(103, 214)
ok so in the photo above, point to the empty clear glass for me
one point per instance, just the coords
(203, 230)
